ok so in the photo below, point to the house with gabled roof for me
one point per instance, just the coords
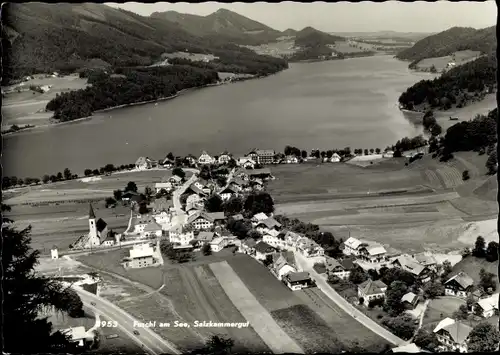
(405, 262)
(152, 229)
(98, 235)
(292, 239)
(162, 210)
(262, 250)
(225, 157)
(283, 263)
(335, 158)
(247, 246)
(459, 285)
(309, 248)
(298, 280)
(203, 220)
(274, 238)
(246, 163)
(253, 155)
(339, 268)
(486, 307)
(426, 260)
(205, 158)
(353, 245)
(264, 174)
(453, 335)
(228, 192)
(410, 300)
(167, 186)
(258, 218)
(265, 225)
(372, 252)
(143, 163)
(370, 290)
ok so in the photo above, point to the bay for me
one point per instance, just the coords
(322, 105)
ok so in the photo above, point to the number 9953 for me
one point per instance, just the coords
(109, 324)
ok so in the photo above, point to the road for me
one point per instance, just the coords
(322, 284)
(153, 343)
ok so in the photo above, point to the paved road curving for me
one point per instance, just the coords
(322, 284)
(151, 342)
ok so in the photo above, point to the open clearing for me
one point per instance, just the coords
(275, 338)
(25, 107)
(440, 308)
(461, 57)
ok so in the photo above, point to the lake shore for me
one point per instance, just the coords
(179, 93)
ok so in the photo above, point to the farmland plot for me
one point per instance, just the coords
(197, 295)
(277, 340)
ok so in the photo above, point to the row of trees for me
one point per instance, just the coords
(455, 87)
(13, 181)
(480, 250)
(27, 293)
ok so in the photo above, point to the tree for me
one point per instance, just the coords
(465, 175)
(131, 186)
(372, 151)
(436, 130)
(170, 156)
(433, 290)
(323, 154)
(59, 176)
(303, 154)
(447, 269)
(259, 202)
(179, 172)
(393, 304)
(373, 274)
(95, 172)
(110, 201)
(28, 293)
(143, 208)
(397, 154)
(461, 313)
(377, 150)
(206, 250)
(487, 281)
(329, 153)
(233, 206)
(45, 178)
(484, 337)
(268, 260)
(479, 248)
(239, 228)
(492, 251)
(403, 326)
(74, 303)
(214, 204)
(67, 174)
(433, 69)
(117, 194)
(219, 345)
(426, 339)
(366, 151)
(357, 276)
(231, 164)
(148, 192)
(492, 163)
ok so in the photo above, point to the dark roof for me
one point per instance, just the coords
(100, 225)
(91, 212)
(263, 247)
(297, 276)
(347, 263)
(229, 189)
(462, 279)
(130, 193)
(270, 223)
(249, 242)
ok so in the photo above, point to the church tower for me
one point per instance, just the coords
(93, 237)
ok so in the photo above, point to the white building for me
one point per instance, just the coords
(217, 244)
(205, 158)
(486, 306)
(54, 253)
(77, 335)
(335, 158)
(246, 163)
(370, 290)
(180, 238)
(453, 335)
(143, 255)
(167, 186)
(224, 158)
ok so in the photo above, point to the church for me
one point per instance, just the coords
(99, 234)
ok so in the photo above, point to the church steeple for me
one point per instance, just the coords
(91, 212)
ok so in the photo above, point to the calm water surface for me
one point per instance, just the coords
(323, 105)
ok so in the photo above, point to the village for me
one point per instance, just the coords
(183, 215)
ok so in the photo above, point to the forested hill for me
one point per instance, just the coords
(223, 24)
(450, 41)
(310, 37)
(455, 88)
(41, 38)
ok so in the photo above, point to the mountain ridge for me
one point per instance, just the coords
(452, 40)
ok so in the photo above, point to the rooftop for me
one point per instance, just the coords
(370, 287)
(458, 331)
(298, 276)
(462, 279)
(263, 247)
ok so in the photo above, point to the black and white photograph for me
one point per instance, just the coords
(249, 178)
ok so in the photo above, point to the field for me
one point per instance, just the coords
(27, 107)
(423, 206)
(281, 48)
(120, 345)
(461, 57)
(64, 215)
(440, 308)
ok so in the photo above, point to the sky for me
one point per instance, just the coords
(344, 17)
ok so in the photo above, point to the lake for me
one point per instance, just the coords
(323, 105)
